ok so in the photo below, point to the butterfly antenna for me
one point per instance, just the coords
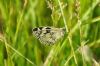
(64, 29)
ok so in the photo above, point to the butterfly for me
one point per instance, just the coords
(48, 35)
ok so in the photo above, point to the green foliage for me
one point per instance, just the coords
(80, 47)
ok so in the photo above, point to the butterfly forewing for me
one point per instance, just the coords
(48, 35)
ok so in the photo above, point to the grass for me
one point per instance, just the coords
(79, 47)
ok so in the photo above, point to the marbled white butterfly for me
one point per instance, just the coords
(48, 35)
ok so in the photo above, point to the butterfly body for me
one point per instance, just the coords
(48, 35)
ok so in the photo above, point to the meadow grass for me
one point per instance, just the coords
(80, 46)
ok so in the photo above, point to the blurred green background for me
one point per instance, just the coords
(79, 47)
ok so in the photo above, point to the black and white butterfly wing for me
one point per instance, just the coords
(48, 35)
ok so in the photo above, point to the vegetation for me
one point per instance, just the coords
(80, 46)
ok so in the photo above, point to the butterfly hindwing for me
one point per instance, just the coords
(48, 35)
